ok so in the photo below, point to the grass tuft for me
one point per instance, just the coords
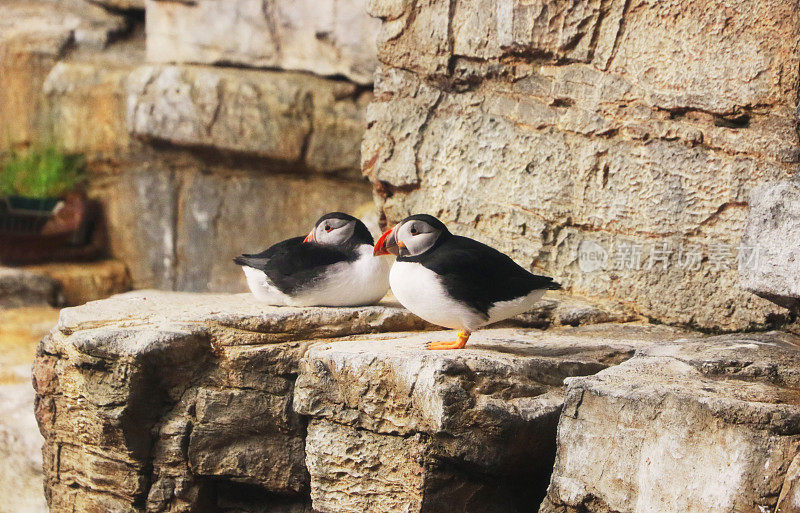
(41, 172)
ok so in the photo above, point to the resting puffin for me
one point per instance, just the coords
(332, 266)
(454, 281)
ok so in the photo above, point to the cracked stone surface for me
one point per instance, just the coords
(170, 402)
(283, 116)
(563, 130)
(325, 37)
(709, 425)
(396, 427)
(164, 401)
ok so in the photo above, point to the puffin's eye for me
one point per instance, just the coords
(327, 228)
(414, 231)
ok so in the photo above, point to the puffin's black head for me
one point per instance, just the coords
(339, 229)
(413, 236)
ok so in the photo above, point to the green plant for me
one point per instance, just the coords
(41, 172)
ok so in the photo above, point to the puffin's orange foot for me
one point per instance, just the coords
(458, 343)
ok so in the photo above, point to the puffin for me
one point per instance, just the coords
(332, 266)
(455, 281)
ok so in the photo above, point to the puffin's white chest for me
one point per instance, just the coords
(420, 290)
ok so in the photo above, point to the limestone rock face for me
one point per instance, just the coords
(86, 281)
(563, 133)
(164, 401)
(34, 36)
(176, 402)
(85, 100)
(287, 117)
(711, 425)
(325, 37)
(773, 230)
(399, 428)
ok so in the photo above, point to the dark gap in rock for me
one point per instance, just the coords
(735, 122)
(216, 159)
(230, 496)
(562, 102)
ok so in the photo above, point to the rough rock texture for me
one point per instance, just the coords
(325, 37)
(566, 134)
(34, 35)
(176, 402)
(707, 426)
(399, 428)
(85, 100)
(288, 117)
(87, 281)
(159, 401)
(773, 227)
(24, 288)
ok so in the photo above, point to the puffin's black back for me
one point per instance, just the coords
(479, 275)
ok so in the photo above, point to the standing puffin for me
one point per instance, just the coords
(454, 281)
(332, 266)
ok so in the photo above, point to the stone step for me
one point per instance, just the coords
(82, 282)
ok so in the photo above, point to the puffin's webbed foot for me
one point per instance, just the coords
(458, 343)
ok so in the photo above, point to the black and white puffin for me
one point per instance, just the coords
(332, 266)
(454, 281)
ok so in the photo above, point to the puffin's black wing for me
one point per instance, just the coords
(479, 275)
(292, 265)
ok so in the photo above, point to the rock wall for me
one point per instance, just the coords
(612, 144)
(157, 401)
(199, 159)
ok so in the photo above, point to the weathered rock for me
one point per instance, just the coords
(169, 401)
(773, 231)
(710, 425)
(24, 288)
(85, 102)
(288, 117)
(327, 37)
(547, 130)
(87, 281)
(34, 35)
(402, 428)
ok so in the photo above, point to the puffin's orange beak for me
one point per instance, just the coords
(310, 237)
(385, 244)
